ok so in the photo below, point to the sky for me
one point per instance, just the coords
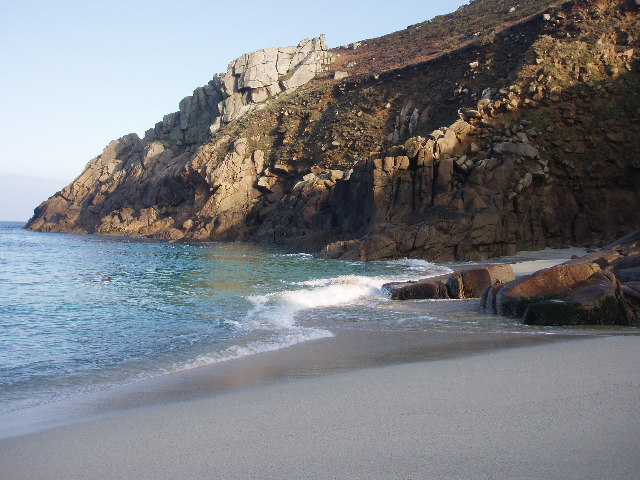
(78, 74)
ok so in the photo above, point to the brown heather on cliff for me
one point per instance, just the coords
(541, 146)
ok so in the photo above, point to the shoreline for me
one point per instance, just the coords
(544, 411)
(348, 349)
(179, 412)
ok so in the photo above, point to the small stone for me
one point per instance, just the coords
(615, 137)
(413, 145)
(518, 149)
(469, 113)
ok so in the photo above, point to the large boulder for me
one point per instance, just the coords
(631, 292)
(469, 283)
(601, 288)
(427, 289)
(472, 282)
(591, 302)
(628, 274)
(516, 296)
(255, 76)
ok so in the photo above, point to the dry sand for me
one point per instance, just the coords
(561, 410)
(525, 263)
(362, 405)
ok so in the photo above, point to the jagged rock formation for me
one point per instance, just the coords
(255, 77)
(249, 81)
(107, 197)
(540, 149)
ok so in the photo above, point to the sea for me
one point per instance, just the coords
(82, 313)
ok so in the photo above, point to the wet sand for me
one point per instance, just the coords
(364, 404)
(348, 350)
(560, 410)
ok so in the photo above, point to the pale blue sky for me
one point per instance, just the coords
(78, 74)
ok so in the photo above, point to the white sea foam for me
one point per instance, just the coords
(279, 309)
(420, 266)
(276, 342)
(303, 256)
(348, 281)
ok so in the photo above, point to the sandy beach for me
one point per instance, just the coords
(560, 410)
(363, 404)
(363, 241)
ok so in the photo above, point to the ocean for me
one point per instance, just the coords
(81, 313)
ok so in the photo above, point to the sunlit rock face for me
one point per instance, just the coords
(504, 141)
(248, 83)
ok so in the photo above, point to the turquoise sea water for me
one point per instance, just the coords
(81, 312)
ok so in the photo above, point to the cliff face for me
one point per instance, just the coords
(541, 145)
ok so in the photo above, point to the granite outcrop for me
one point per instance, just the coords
(601, 288)
(247, 84)
(521, 137)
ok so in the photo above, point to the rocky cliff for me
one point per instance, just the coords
(490, 130)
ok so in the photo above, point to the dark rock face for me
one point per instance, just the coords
(467, 284)
(538, 152)
(428, 289)
(591, 290)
